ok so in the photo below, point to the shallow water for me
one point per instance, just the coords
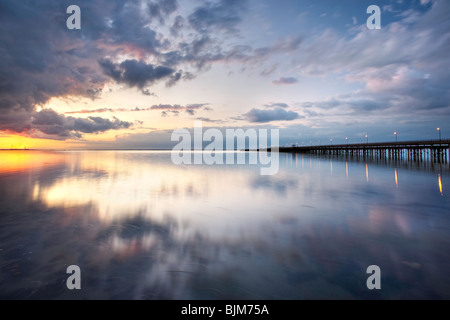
(140, 227)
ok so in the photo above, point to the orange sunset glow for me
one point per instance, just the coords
(15, 141)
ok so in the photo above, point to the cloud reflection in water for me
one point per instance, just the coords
(142, 228)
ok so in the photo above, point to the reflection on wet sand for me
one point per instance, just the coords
(142, 228)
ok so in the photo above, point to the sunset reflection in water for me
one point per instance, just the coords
(140, 227)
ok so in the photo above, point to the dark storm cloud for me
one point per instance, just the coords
(135, 73)
(41, 59)
(38, 45)
(15, 120)
(259, 115)
(95, 124)
(48, 122)
(35, 48)
(122, 25)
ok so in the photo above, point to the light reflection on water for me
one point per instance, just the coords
(140, 227)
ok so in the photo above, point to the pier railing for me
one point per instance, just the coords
(422, 149)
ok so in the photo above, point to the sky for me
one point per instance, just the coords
(137, 70)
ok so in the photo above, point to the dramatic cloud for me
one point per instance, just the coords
(285, 80)
(49, 122)
(348, 73)
(258, 115)
(135, 73)
(400, 65)
(41, 59)
(15, 120)
(37, 46)
(31, 54)
(51, 125)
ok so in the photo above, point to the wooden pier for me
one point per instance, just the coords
(434, 150)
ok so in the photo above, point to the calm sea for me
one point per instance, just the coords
(140, 227)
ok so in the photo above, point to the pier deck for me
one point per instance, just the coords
(436, 150)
